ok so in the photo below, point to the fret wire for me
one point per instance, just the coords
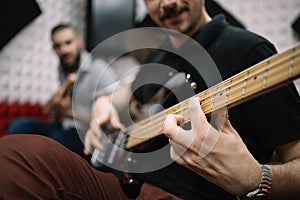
(146, 121)
(213, 98)
(245, 84)
(279, 61)
(184, 108)
(228, 91)
(292, 63)
(254, 90)
(266, 74)
(161, 117)
(159, 132)
(160, 121)
(272, 72)
(252, 75)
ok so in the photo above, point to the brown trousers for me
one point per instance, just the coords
(36, 167)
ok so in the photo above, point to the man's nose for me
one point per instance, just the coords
(168, 3)
(63, 49)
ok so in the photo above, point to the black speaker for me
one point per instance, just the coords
(15, 15)
(296, 25)
(105, 19)
(213, 8)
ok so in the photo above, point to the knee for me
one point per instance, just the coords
(13, 145)
(20, 125)
(25, 165)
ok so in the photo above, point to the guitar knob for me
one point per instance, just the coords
(193, 84)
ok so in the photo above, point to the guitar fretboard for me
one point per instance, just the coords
(267, 75)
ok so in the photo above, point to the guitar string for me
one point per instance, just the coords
(252, 76)
(158, 126)
(236, 83)
(271, 69)
(159, 118)
(183, 113)
(231, 86)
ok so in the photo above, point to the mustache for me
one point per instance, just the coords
(173, 11)
(65, 55)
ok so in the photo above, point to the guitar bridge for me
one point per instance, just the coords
(114, 144)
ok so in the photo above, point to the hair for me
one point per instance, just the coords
(61, 27)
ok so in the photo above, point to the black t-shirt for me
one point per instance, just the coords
(264, 123)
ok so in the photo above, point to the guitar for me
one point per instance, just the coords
(272, 73)
(63, 92)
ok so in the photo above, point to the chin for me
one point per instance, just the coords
(180, 27)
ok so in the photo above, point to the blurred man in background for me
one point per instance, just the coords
(75, 64)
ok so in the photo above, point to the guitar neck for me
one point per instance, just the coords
(267, 75)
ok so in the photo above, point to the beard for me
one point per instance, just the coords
(70, 67)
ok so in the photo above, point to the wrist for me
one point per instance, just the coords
(101, 103)
(264, 187)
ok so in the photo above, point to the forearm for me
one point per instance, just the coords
(121, 97)
(118, 98)
(286, 180)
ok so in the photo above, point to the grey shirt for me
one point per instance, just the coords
(94, 78)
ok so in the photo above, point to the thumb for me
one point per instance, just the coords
(219, 118)
(223, 124)
(175, 133)
(172, 125)
(115, 120)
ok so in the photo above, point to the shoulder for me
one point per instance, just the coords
(245, 47)
(99, 62)
(95, 63)
(245, 40)
(236, 49)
